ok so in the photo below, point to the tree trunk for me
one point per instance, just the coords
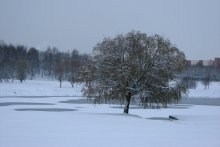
(128, 99)
(60, 79)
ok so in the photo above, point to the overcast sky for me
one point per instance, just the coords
(192, 25)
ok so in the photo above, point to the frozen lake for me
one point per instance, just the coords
(55, 122)
(62, 117)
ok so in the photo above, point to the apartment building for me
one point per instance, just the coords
(215, 62)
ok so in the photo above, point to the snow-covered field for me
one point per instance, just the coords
(51, 88)
(39, 88)
(29, 121)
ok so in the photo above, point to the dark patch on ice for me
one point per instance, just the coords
(179, 106)
(46, 109)
(131, 107)
(23, 96)
(22, 103)
(201, 101)
(36, 96)
(86, 101)
(79, 107)
(79, 101)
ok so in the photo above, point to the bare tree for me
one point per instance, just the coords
(33, 58)
(47, 62)
(74, 65)
(22, 70)
(134, 66)
(59, 69)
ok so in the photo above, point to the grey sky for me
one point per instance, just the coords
(193, 25)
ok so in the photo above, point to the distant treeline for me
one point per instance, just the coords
(200, 72)
(20, 62)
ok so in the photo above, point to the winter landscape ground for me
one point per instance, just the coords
(40, 114)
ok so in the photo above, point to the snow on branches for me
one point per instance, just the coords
(134, 65)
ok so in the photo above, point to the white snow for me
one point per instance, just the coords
(98, 125)
(51, 88)
(104, 125)
(39, 88)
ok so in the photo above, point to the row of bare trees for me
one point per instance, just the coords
(19, 62)
(199, 72)
(62, 65)
(14, 62)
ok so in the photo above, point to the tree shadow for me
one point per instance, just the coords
(79, 101)
(159, 118)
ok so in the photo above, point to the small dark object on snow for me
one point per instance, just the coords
(172, 118)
